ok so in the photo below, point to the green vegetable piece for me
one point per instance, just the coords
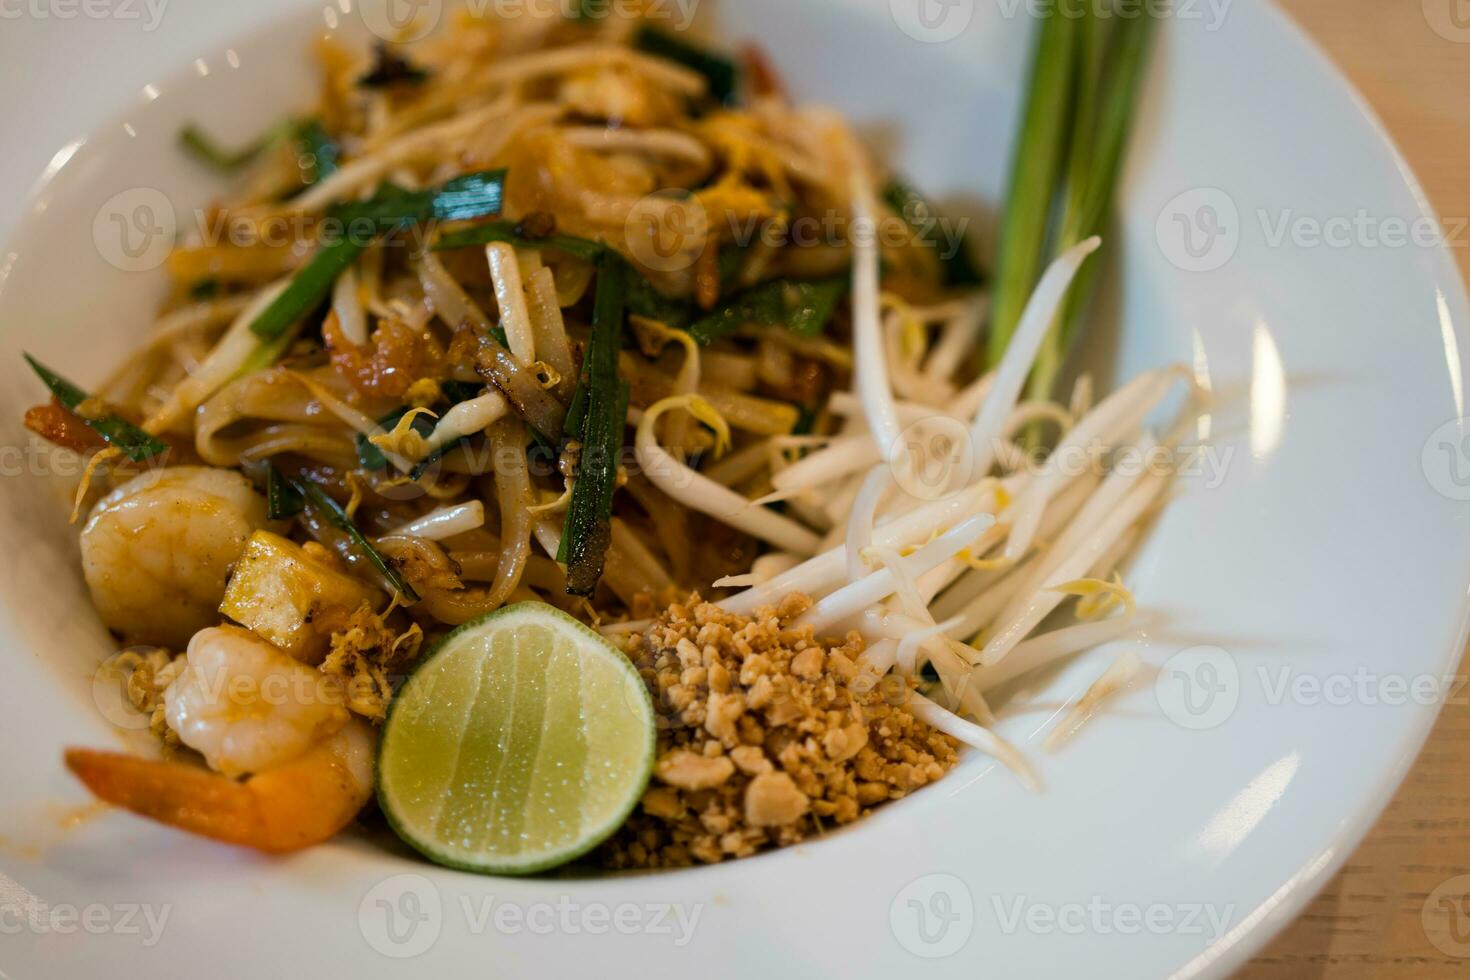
(512, 232)
(470, 196)
(282, 500)
(319, 152)
(474, 195)
(318, 499)
(802, 306)
(601, 420)
(207, 151)
(720, 72)
(1035, 167)
(115, 430)
(959, 268)
(308, 289)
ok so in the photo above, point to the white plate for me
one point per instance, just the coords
(1174, 835)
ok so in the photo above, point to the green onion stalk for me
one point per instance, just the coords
(1086, 75)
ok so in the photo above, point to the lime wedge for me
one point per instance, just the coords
(521, 742)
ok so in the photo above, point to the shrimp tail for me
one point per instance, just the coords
(279, 811)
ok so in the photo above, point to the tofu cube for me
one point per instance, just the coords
(284, 595)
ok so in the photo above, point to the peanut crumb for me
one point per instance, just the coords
(767, 733)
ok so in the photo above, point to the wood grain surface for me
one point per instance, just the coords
(1411, 60)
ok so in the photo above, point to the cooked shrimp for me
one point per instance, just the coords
(157, 550)
(248, 708)
(304, 802)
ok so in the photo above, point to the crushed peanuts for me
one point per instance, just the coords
(766, 733)
(150, 672)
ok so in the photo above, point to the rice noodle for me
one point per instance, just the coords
(507, 439)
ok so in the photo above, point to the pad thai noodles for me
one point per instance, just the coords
(577, 313)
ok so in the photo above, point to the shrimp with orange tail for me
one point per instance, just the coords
(249, 709)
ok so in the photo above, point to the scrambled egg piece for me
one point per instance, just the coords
(364, 654)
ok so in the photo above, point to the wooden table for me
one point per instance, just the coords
(1367, 923)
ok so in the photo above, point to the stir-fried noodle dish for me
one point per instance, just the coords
(560, 441)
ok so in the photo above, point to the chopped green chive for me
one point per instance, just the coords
(598, 418)
(802, 306)
(118, 432)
